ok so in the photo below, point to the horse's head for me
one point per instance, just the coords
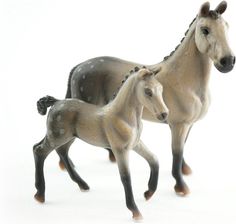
(211, 36)
(149, 93)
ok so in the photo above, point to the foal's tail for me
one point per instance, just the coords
(45, 102)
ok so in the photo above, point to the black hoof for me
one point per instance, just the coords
(182, 190)
(39, 197)
(148, 194)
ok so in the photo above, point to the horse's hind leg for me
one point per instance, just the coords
(41, 151)
(64, 147)
(68, 164)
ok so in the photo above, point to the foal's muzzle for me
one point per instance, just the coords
(225, 64)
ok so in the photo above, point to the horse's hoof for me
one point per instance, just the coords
(186, 170)
(39, 197)
(182, 190)
(137, 216)
(148, 194)
(62, 166)
(112, 157)
(84, 187)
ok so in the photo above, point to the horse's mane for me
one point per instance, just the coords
(185, 34)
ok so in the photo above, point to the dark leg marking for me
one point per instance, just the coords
(143, 151)
(63, 153)
(180, 187)
(41, 151)
(61, 148)
(122, 162)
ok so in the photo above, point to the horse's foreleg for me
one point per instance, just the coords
(142, 150)
(179, 133)
(186, 169)
(122, 162)
(41, 151)
(68, 164)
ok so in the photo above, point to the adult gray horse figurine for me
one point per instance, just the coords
(184, 75)
(116, 126)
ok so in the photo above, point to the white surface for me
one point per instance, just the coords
(40, 42)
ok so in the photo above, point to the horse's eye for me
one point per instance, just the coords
(205, 31)
(148, 92)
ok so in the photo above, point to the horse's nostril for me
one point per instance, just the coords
(227, 61)
(233, 60)
(223, 61)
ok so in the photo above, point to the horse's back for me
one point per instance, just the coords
(97, 79)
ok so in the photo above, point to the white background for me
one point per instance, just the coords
(40, 42)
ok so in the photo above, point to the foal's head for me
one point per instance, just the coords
(149, 93)
(211, 36)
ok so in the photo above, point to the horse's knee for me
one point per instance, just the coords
(40, 150)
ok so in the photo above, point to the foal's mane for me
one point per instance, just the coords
(131, 72)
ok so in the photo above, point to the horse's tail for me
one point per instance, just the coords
(68, 92)
(45, 102)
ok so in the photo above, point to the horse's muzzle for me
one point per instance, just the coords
(226, 64)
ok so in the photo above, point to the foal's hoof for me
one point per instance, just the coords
(186, 170)
(61, 165)
(148, 194)
(182, 190)
(39, 197)
(137, 216)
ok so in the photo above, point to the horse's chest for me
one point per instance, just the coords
(188, 106)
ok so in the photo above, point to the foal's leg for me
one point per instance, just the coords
(64, 157)
(179, 133)
(122, 162)
(142, 150)
(41, 151)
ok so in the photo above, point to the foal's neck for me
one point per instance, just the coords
(126, 103)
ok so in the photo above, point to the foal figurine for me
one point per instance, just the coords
(116, 126)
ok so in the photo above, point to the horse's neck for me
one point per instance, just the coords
(187, 65)
(126, 103)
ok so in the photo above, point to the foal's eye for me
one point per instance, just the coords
(205, 30)
(148, 92)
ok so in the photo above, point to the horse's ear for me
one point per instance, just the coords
(221, 7)
(204, 10)
(145, 73)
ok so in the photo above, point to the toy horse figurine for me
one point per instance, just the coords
(116, 126)
(184, 76)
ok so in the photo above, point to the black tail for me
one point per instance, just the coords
(68, 92)
(44, 103)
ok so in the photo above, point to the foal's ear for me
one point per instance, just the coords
(221, 7)
(204, 10)
(145, 73)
